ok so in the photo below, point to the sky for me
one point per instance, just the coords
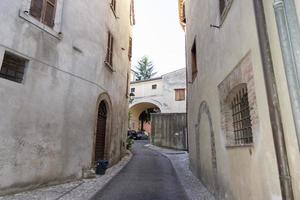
(158, 35)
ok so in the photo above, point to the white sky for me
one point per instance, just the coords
(158, 35)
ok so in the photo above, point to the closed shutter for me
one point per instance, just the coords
(49, 12)
(36, 9)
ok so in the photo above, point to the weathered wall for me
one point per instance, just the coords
(238, 171)
(47, 123)
(169, 130)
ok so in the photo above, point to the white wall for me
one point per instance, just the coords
(47, 123)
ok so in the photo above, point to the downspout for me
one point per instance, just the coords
(289, 34)
(273, 102)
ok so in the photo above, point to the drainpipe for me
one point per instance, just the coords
(273, 102)
(289, 34)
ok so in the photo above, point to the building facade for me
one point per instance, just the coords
(65, 71)
(166, 94)
(242, 101)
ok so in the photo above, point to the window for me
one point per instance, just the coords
(113, 5)
(194, 61)
(130, 49)
(132, 16)
(13, 68)
(154, 87)
(132, 90)
(179, 94)
(127, 86)
(109, 52)
(224, 6)
(241, 117)
(44, 11)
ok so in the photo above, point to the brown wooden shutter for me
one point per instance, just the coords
(130, 49)
(49, 12)
(36, 9)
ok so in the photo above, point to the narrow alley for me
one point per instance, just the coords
(148, 176)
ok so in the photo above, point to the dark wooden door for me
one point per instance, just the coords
(101, 132)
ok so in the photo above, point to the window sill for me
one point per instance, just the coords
(109, 66)
(26, 16)
(234, 146)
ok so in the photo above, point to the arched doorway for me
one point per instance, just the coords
(101, 132)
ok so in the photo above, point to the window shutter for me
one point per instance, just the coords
(49, 12)
(36, 8)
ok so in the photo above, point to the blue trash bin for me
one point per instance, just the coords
(101, 167)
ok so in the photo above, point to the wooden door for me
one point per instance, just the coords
(101, 132)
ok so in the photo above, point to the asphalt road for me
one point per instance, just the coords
(148, 176)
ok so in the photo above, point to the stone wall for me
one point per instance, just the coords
(169, 130)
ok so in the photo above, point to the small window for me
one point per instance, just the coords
(13, 68)
(132, 90)
(109, 52)
(194, 61)
(179, 94)
(241, 117)
(154, 87)
(113, 5)
(44, 11)
(130, 49)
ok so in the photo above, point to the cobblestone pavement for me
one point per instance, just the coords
(194, 189)
(78, 190)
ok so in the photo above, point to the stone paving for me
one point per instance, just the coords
(194, 189)
(78, 190)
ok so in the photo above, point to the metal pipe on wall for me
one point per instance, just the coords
(273, 102)
(289, 34)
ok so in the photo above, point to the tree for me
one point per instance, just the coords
(145, 69)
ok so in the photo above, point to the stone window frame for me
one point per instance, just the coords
(24, 13)
(241, 76)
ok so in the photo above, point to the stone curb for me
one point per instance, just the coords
(77, 190)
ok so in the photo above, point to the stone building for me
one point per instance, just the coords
(243, 65)
(165, 94)
(63, 87)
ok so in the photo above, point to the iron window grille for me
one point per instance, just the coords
(132, 90)
(154, 87)
(241, 118)
(13, 68)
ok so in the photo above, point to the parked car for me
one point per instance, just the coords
(141, 136)
(132, 134)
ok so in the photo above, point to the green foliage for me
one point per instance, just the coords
(145, 69)
(129, 142)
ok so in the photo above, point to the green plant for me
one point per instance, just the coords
(145, 69)
(129, 142)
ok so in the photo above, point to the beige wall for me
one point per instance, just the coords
(47, 123)
(242, 172)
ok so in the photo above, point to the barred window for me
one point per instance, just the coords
(241, 117)
(13, 68)
(154, 87)
(109, 52)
